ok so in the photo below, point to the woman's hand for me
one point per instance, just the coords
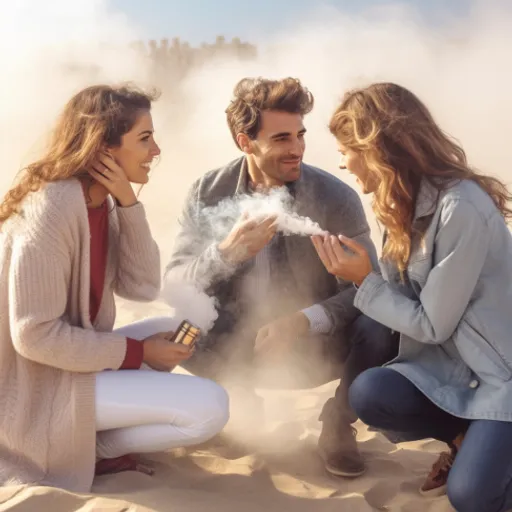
(162, 354)
(351, 266)
(106, 171)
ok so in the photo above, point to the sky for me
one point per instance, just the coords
(199, 21)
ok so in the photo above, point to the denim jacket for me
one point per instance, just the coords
(454, 310)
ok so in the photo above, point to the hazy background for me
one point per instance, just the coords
(456, 58)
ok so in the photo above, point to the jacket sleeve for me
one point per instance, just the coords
(138, 273)
(39, 281)
(350, 221)
(195, 257)
(462, 242)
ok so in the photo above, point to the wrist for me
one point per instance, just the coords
(146, 349)
(301, 322)
(359, 281)
(225, 253)
(127, 200)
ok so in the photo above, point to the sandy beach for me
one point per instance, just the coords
(281, 473)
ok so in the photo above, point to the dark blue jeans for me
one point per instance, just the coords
(481, 477)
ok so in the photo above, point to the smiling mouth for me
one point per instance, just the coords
(146, 165)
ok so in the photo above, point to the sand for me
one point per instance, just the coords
(284, 475)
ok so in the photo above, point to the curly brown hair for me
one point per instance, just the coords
(95, 117)
(252, 96)
(401, 144)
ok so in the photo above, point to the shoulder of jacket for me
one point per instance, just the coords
(468, 197)
(226, 172)
(217, 183)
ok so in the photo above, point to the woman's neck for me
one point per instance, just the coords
(95, 193)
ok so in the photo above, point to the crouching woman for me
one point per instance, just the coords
(445, 285)
(73, 397)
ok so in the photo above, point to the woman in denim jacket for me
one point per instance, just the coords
(445, 285)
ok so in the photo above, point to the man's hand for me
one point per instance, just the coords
(247, 238)
(276, 337)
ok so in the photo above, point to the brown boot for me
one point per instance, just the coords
(337, 444)
(435, 483)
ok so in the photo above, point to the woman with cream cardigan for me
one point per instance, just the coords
(73, 396)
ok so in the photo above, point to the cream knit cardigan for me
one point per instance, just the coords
(49, 351)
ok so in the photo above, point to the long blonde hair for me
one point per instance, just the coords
(401, 144)
(95, 117)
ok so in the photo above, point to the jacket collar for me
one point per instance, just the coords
(426, 202)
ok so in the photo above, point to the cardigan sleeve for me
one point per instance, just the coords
(39, 281)
(138, 274)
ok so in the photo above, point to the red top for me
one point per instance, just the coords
(98, 226)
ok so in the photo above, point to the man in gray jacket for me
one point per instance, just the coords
(283, 319)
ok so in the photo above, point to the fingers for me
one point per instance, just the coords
(328, 246)
(101, 172)
(99, 177)
(258, 233)
(267, 228)
(180, 348)
(268, 222)
(319, 244)
(247, 224)
(180, 352)
(258, 223)
(107, 167)
(339, 252)
(109, 163)
(353, 245)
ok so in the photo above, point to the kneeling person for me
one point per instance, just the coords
(274, 295)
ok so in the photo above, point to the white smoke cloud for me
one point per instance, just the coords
(277, 202)
(190, 302)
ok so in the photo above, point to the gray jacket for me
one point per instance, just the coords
(299, 279)
(455, 313)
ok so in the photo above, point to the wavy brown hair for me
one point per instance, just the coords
(252, 96)
(401, 144)
(95, 118)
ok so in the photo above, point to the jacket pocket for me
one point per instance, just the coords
(479, 354)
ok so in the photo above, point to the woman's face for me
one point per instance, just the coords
(137, 150)
(353, 162)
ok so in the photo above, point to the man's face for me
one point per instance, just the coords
(279, 147)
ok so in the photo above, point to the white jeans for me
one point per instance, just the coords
(141, 411)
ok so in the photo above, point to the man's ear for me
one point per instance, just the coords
(245, 143)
